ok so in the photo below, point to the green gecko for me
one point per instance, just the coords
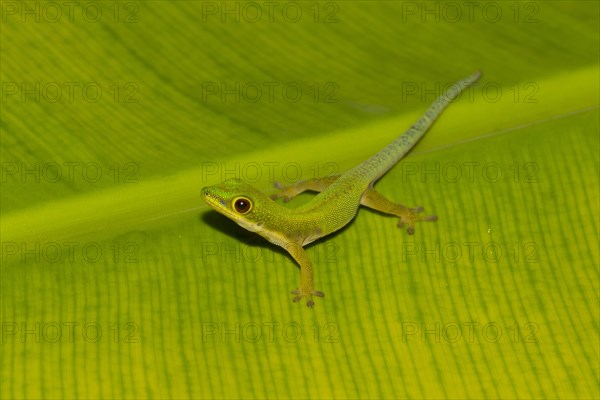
(333, 207)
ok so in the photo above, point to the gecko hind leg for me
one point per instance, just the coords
(371, 198)
(408, 216)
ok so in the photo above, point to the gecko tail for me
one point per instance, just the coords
(376, 166)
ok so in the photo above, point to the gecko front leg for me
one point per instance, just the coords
(313, 185)
(306, 289)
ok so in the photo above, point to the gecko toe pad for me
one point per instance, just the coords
(309, 301)
(410, 216)
(285, 192)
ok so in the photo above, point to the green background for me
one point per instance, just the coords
(125, 285)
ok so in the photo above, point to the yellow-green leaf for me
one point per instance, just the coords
(118, 282)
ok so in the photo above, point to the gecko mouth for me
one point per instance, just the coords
(213, 200)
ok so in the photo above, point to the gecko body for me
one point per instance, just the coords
(336, 203)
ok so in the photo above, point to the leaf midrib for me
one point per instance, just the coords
(129, 207)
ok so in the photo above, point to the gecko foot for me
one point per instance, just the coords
(285, 192)
(410, 216)
(309, 302)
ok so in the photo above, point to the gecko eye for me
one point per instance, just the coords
(242, 205)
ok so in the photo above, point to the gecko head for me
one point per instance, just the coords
(240, 202)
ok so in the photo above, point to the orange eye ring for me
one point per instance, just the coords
(242, 205)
